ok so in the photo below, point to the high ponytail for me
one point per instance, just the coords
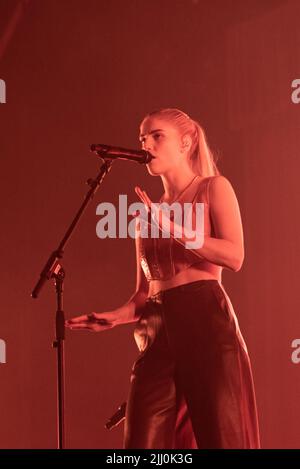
(202, 157)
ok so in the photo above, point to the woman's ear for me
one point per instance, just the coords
(186, 144)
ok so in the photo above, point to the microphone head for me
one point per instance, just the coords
(97, 147)
(112, 152)
(148, 157)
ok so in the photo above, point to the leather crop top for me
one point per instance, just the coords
(162, 258)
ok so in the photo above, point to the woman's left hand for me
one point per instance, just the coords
(149, 207)
(144, 198)
(157, 214)
(163, 221)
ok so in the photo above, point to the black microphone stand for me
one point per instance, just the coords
(54, 269)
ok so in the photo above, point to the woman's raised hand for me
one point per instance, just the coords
(144, 198)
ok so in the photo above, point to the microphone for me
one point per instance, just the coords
(108, 151)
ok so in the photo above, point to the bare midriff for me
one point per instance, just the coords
(191, 274)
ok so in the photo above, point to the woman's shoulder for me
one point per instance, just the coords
(210, 185)
(218, 182)
(219, 186)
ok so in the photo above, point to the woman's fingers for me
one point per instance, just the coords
(77, 320)
(93, 322)
(148, 200)
(144, 197)
(140, 194)
(81, 322)
(83, 326)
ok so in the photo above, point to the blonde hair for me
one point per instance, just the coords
(201, 157)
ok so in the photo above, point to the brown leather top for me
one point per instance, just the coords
(162, 258)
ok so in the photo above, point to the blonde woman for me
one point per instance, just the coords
(191, 385)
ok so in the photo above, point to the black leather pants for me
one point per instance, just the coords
(191, 385)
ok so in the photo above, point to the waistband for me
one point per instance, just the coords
(186, 287)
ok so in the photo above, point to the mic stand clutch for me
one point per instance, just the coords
(117, 417)
(54, 269)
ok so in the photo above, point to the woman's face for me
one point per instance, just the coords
(163, 141)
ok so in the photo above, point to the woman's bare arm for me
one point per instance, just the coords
(227, 248)
(125, 314)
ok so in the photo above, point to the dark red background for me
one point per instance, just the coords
(85, 71)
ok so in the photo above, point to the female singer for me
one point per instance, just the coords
(191, 385)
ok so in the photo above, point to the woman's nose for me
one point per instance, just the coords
(147, 146)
